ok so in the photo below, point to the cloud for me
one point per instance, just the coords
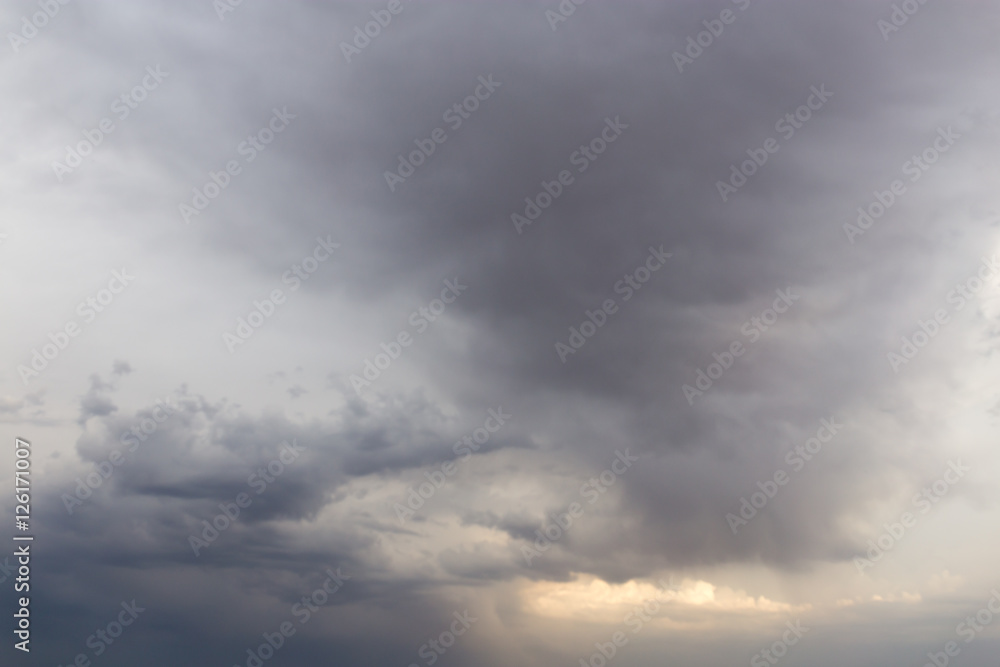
(96, 402)
(557, 93)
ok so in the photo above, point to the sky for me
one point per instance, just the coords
(536, 332)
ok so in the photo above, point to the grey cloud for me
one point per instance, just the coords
(654, 185)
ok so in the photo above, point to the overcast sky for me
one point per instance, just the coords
(502, 320)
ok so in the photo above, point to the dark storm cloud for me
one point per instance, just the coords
(197, 454)
(654, 186)
(142, 518)
(608, 66)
